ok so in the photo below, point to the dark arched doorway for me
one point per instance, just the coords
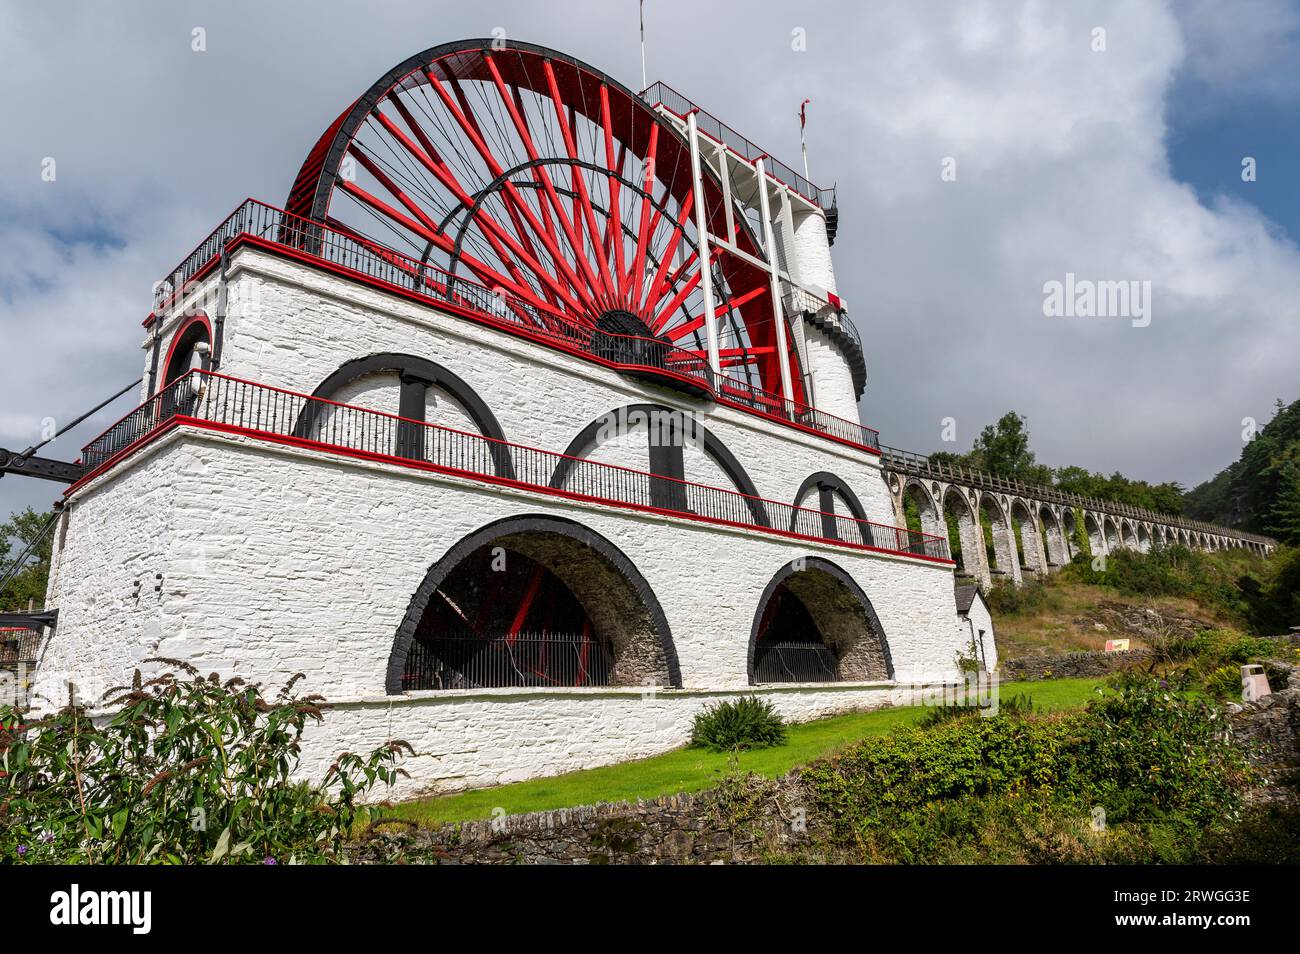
(532, 602)
(814, 624)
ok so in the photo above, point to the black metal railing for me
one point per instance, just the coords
(795, 661)
(231, 404)
(528, 659)
(661, 94)
(367, 258)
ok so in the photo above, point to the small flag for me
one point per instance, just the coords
(803, 111)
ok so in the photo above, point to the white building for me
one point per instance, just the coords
(468, 436)
(975, 624)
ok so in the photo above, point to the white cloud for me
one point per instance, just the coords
(1061, 167)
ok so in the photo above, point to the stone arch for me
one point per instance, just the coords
(1069, 524)
(622, 611)
(811, 619)
(667, 432)
(1096, 538)
(1128, 536)
(1110, 530)
(999, 543)
(418, 378)
(1025, 524)
(1055, 542)
(961, 521)
(1143, 538)
(931, 520)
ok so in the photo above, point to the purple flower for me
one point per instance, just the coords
(22, 850)
(268, 860)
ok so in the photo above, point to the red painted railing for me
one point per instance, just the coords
(231, 405)
(357, 256)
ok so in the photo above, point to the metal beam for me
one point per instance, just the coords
(706, 261)
(778, 311)
(12, 462)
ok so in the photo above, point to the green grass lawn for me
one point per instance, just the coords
(692, 770)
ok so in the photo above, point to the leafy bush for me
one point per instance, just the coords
(1144, 755)
(188, 770)
(1224, 683)
(747, 723)
(1010, 600)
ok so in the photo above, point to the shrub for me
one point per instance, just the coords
(1010, 600)
(188, 770)
(1224, 683)
(1145, 755)
(747, 723)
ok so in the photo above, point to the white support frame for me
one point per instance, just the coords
(778, 312)
(706, 253)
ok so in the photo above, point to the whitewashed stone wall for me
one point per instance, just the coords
(292, 326)
(275, 560)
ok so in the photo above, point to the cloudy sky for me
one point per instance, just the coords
(1114, 164)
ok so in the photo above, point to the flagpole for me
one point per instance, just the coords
(644, 81)
(803, 142)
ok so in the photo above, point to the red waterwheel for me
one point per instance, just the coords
(536, 175)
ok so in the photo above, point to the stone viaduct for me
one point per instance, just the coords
(1046, 520)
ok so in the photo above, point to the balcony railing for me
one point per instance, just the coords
(661, 94)
(232, 405)
(358, 256)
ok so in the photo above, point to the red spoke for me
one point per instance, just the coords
(614, 224)
(548, 187)
(495, 168)
(432, 151)
(583, 198)
(493, 231)
(684, 329)
(485, 272)
(647, 188)
(667, 313)
(658, 285)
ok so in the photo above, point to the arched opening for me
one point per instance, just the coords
(532, 601)
(965, 540)
(825, 499)
(1112, 534)
(814, 624)
(1070, 528)
(1129, 535)
(1096, 544)
(1029, 547)
(1054, 539)
(999, 542)
(418, 391)
(673, 446)
(1143, 538)
(191, 348)
(919, 509)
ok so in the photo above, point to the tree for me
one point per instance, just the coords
(1003, 448)
(16, 534)
(1284, 515)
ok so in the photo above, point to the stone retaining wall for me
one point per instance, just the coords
(1081, 665)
